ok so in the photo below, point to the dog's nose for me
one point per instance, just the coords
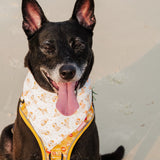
(67, 72)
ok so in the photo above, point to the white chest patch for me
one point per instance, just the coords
(51, 126)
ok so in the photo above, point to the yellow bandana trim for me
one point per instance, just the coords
(65, 148)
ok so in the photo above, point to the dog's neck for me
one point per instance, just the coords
(42, 113)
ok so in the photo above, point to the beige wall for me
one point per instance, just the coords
(126, 30)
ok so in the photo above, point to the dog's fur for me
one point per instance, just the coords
(52, 46)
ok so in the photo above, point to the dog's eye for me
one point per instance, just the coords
(48, 47)
(77, 45)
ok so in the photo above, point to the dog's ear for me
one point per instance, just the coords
(84, 13)
(33, 17)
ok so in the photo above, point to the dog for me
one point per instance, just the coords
(60, 59)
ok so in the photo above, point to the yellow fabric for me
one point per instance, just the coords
(22, 107)
(66, 146)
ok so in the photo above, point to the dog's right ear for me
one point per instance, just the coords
(33, 17)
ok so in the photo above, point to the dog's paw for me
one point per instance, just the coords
(117, 155)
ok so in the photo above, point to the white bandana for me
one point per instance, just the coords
(51, 126)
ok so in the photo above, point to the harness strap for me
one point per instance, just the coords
(59, 152)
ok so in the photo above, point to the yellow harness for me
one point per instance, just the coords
(63, 150)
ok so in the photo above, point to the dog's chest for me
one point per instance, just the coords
(50, 125)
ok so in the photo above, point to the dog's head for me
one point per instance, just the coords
(59, 53)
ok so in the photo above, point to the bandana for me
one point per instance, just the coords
(40, 110)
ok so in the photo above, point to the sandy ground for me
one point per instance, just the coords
(125, 75)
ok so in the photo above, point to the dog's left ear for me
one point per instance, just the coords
(33, 17)
(84, 13)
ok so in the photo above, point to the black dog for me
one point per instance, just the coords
(59, 53)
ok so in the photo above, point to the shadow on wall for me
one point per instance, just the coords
(128, 109)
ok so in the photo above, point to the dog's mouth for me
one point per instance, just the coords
(67, 103)
(55, 86)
